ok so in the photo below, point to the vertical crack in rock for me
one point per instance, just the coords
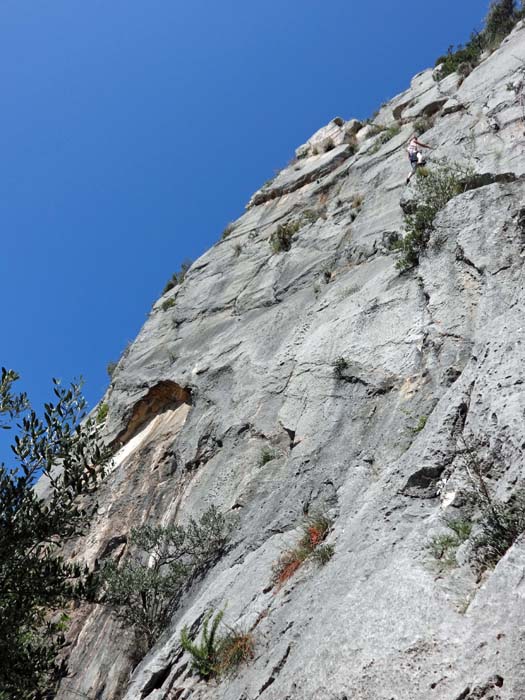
(275, 671)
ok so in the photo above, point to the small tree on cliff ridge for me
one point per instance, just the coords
(144, 591)
(500, 20)
(36, 583)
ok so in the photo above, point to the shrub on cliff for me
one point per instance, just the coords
(281, 238)
(144, 592)
(493, 525)
(468, 54)
(177, 277)
(36, 583)
(385, 136)
(434, 188)
(501, 522)
(500, 20)
(215, 655)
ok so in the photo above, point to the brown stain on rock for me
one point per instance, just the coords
(164, 395)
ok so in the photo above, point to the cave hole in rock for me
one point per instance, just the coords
(291, 435)
(156, 681)
(164, 396)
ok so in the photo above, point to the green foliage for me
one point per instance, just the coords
(110, 369)
(340, 365)
(443, 547)
(235, 649)
(422, 125)
(323, 553)
(267, 455)
(168, 304)
(500, 21)
(420, 425)
(144, 592)
(216, 656)
(433, 189)
(11, 405)
(310, 216)
(315, 530)
(500, 527)
(385, 135)
(468, 54)
(501, 523)
(36, 583)
(281, 238)
(102, 412)
(228, 230)
(204, 655)
(389, 133)
(177, 277)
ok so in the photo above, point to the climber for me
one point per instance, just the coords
(415, 155)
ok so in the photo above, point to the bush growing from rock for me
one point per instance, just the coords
(501, 523)
(500, 527)
(310, 216)
(216, 656)
(389, 133)
(110, 368)
(281, 238)
(144, 592)
(385, 135)
(204, 655)
(228, 230)
(423, 124)
(267, 455)
(434, 188)
(500, 21)
(168, 304)
(443, 547)
(177, 277)
(102, 412)
(470, 54)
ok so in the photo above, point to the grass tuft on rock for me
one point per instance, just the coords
(217, 656)
(309, 546)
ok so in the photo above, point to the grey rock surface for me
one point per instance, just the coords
(243, 361)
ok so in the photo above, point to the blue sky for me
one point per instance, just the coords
(133, 131)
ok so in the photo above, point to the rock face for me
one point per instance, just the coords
(244, 361)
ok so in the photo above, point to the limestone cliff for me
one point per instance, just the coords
(243, 360)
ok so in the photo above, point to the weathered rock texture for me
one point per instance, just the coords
(244, 361)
